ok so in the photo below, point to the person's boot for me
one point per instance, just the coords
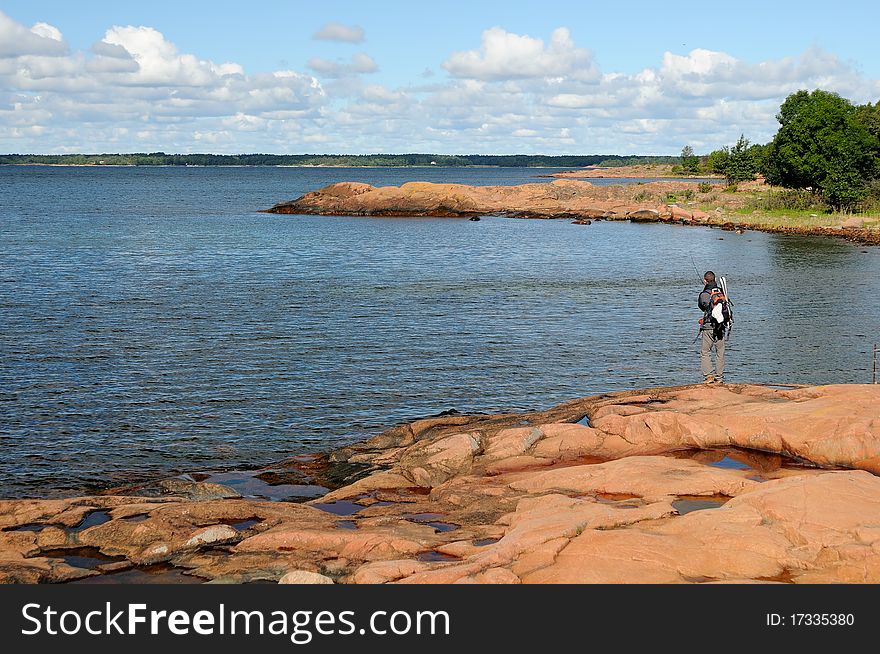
(709, 380)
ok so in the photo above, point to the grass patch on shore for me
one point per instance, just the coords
(764, 205)
(798, 218)
(787, 217)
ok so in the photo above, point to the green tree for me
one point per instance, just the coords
(690, 163)
(869, 116)
(739, 163)
(822, 145)
(716, 162)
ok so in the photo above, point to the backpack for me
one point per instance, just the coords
(720, 313)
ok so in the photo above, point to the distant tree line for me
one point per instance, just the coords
(163, 159)
(825, 145)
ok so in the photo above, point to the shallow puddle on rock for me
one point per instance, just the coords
(742, 459)
(346, 524)
(88, 558)
(339, 507)
(423, 517)
(154, 574)
(140, 517)
(436, 556)
(727, 462)
(34, 526)
(92, 519)
(242, 525)
(584, 421)
(283, 477)
(431, 520)
(443, 526)
(482, 542)
(688, 505)
(251, 486)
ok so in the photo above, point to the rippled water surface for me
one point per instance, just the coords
(152, 322)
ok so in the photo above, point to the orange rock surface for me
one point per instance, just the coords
(572, 199)
(561, 198)
(695, 484)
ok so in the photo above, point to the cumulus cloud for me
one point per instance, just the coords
(47, 31)
(360, 63)
(135, 90)
(340, 32)
(16, 40)
(160, 63)
(504, 55)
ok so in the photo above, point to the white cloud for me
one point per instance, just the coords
(360, 63)
(245, 123)
(135, 90)
(159, 62)
(47, 31)
(382, 95)
(340, 32)
(104, 49)
(504, 55)
(42, 39)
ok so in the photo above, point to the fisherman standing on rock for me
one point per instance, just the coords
(714, 327)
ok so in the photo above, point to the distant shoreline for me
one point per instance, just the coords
(48, 165)
(337, 160)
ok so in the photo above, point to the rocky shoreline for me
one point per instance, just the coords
(623, 172)
(571, 199)
(693, 484)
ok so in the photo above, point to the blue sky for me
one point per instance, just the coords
(453, 77)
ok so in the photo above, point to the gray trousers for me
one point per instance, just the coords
(708, 342)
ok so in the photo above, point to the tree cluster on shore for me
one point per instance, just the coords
(826, 147)
(363, 160)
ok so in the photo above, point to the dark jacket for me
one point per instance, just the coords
(704, 301)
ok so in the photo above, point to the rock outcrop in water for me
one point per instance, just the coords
(691, 484)
(558, 199)
(572, 199)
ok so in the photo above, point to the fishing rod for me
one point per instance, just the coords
(722, 281)
(699, 276)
